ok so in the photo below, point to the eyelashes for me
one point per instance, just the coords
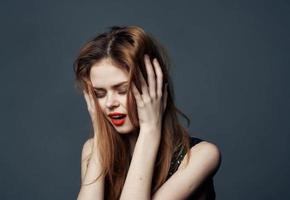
(102, 94)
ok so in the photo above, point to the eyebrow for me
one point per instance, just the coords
(114, 86)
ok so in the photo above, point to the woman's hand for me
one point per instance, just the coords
(151, 103)
(92, 111)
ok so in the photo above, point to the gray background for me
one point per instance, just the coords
(231, 69)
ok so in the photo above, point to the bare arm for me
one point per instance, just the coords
(205, 161)
(139, 177)
(151, 104)
(90, 170)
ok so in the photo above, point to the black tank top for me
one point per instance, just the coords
(207, 185)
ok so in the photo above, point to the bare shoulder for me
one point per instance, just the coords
(206, 155)
(87, 147)
(206, 148)
(205, 158)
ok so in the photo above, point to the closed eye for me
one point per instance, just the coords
(99, 95)
(123, 91)
(102, 94)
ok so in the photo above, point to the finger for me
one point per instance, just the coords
(165, 95)
(137, 95)
(150, 77)
(92, 99)
(159, 76)
(144, 87)
(90, 95)
(87, 98)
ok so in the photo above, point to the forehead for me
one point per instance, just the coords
(105, 74)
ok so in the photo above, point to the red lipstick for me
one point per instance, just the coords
(117, 119)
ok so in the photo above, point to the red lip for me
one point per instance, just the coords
(117, 122)
(115, 113)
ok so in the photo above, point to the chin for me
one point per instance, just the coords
(123, 129)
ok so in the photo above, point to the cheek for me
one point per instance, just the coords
(102, 105)
(123, 100)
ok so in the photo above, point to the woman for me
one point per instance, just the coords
(138, 144)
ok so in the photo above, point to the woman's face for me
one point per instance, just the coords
(111, 86)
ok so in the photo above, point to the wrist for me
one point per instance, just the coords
(149, 133)
(150, 127)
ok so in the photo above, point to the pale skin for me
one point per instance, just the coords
(151, 103)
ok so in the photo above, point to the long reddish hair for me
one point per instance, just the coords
(126, 47)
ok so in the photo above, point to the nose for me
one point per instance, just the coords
(112, 101)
